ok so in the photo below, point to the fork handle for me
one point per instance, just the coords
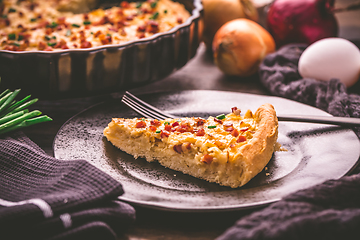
(342, 121)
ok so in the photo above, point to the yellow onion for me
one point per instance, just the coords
(218, 12)
(240, 45)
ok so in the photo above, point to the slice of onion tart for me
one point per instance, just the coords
(228, 149)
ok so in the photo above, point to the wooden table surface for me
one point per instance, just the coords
(199, 73)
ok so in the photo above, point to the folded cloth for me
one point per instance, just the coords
(45, 198)
(330, 210)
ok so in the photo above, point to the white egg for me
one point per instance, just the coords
(331, 58)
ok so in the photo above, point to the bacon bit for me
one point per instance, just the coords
(97, 34)
(106, 40)
(200, 132)
(218, 120)
(113, 29)
(141, 28)
(85, 44)
(153, 128)
(175, 124)
(153, 27)
(141, 35)
(124, 4)
(64, 46)
(178, 148)
(48, 48)
(155, 122)
(200, 122)
(21, 14)
(73, 38)
(140, 124)
(207, 159)
(229, 129)
(86, 16)
(41, 45)
(187, 145)
(168, 127)
(241, 139)
(120, 12)
(60, 44)
(235, 132)
(179, 20)
(11, 48)
(48, 31)
(129, 18)
(61, 20)
(164, 134)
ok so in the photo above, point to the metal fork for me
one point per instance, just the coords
(149, 111)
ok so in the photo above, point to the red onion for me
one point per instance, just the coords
(301, 21)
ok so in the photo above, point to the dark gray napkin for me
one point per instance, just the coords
(330, 210)
(45, 198)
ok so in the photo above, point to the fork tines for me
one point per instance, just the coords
(143, 108)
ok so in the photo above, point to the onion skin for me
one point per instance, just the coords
(218, 12)
(305, 21)
(240, 45)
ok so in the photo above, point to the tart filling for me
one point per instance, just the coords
(228, 149)
(53, 24)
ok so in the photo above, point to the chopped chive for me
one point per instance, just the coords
(213, 126)
(75, 25)
(221, 116)
(52, 25)
(51, 44)
(33, 19)
(15, 44)
(20, 37)
(4, 16)
(47, 37)
(11, 10)
(166, 123)
(138, 4)
(158, 131)
(87, 22)
(165, 11)
(11, 36)
(155, 16)
(153, 4)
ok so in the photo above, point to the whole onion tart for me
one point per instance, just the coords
(53, 49)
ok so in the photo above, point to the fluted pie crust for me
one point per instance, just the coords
(229, 150)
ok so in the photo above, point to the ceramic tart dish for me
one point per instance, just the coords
(72, 70)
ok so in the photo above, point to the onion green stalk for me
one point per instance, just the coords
(14, 114)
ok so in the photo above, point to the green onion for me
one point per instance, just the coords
(154, 16)
(87, 22)
(11, 36)
(14, 115)
(52, 25)
(221, 116)
(166, 123)
(33, 19)
(165, 11)
(153, 4)
(138, 4)
(213, 126)
(11, 10)
(75, 25)
(20, 37)
(51, 44)
(158, 131)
